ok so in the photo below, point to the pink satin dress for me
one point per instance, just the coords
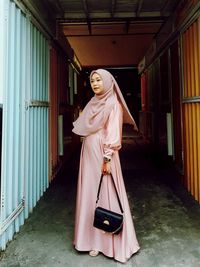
(105, 142)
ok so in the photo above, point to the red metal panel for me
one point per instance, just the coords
(63, 80)
(143, 91)
(176, 103)
(53, 138)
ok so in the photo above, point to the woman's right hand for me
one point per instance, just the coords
(106, 168)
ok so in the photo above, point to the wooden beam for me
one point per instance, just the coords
(59, 8)
(139, 7)
(86, 10)
(146, 19)
(87, 14)
(163, 9)
(113, 6)
(113, 34)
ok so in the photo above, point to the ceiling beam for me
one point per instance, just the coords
(104, 20)
(47, 6)
(139, 7)
(87, 14)
(53, 8)
(59, 8)
(113, 34)
(113, 6)
(86, 10)
(163, 8)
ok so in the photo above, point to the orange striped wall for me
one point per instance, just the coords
(191, 108)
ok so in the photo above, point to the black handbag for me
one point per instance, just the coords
(107, 220)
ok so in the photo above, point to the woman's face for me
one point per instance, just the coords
(97, 84)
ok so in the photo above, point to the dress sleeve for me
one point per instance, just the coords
(113, 131)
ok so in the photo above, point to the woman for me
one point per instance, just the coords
(101, 126)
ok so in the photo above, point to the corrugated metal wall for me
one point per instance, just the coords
(179, 97)
(191, 107)
(144, 91)
(176, 105)
(149, 117)
(53, 120)
(24, 175)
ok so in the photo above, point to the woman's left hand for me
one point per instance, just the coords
(106, 168)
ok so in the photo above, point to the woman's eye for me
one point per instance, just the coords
(96, 80)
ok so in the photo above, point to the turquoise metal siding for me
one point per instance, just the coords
(24, 175)
(37, 119)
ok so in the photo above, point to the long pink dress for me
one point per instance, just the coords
(105, 142)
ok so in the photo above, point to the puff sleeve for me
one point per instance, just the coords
(113, 131)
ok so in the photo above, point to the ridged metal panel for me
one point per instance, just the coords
(176, 105)
(24, 175)
(53, 142)
(71, 85)
(118, 8)
(191, 107)
(144, 91)
(37, 117)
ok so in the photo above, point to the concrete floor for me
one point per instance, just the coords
(167, 220)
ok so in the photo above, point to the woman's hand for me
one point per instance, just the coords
(105, 168)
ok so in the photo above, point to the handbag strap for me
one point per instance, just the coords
(100, 183)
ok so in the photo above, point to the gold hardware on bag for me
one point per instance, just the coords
(106, 222)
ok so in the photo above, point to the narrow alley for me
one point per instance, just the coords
(48, 50)
(165, 216)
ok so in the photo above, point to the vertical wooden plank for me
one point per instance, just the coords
(185, 159)
(194, 144)
(198, 105)
(187, 66)
(191, 52)
(196, 45)
(10, 190)
(191, 147)
(191, 71)
(45, 117)
(54, 111)
(184, 48)
(10, 118)
(31, 129)
(42, 77)
(176, 105)
(35, 111)
(198, 57)
(39, 113)
(198, 149)
(196, 63)
(23, 77)
(187, 152)
(17, 123)
(27, 91)
(40, 117)
(46, 122)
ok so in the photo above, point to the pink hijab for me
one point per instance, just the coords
(96, 112)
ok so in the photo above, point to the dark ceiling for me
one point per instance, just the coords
(110, 32)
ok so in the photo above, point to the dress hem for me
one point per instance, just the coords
(109, 256)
